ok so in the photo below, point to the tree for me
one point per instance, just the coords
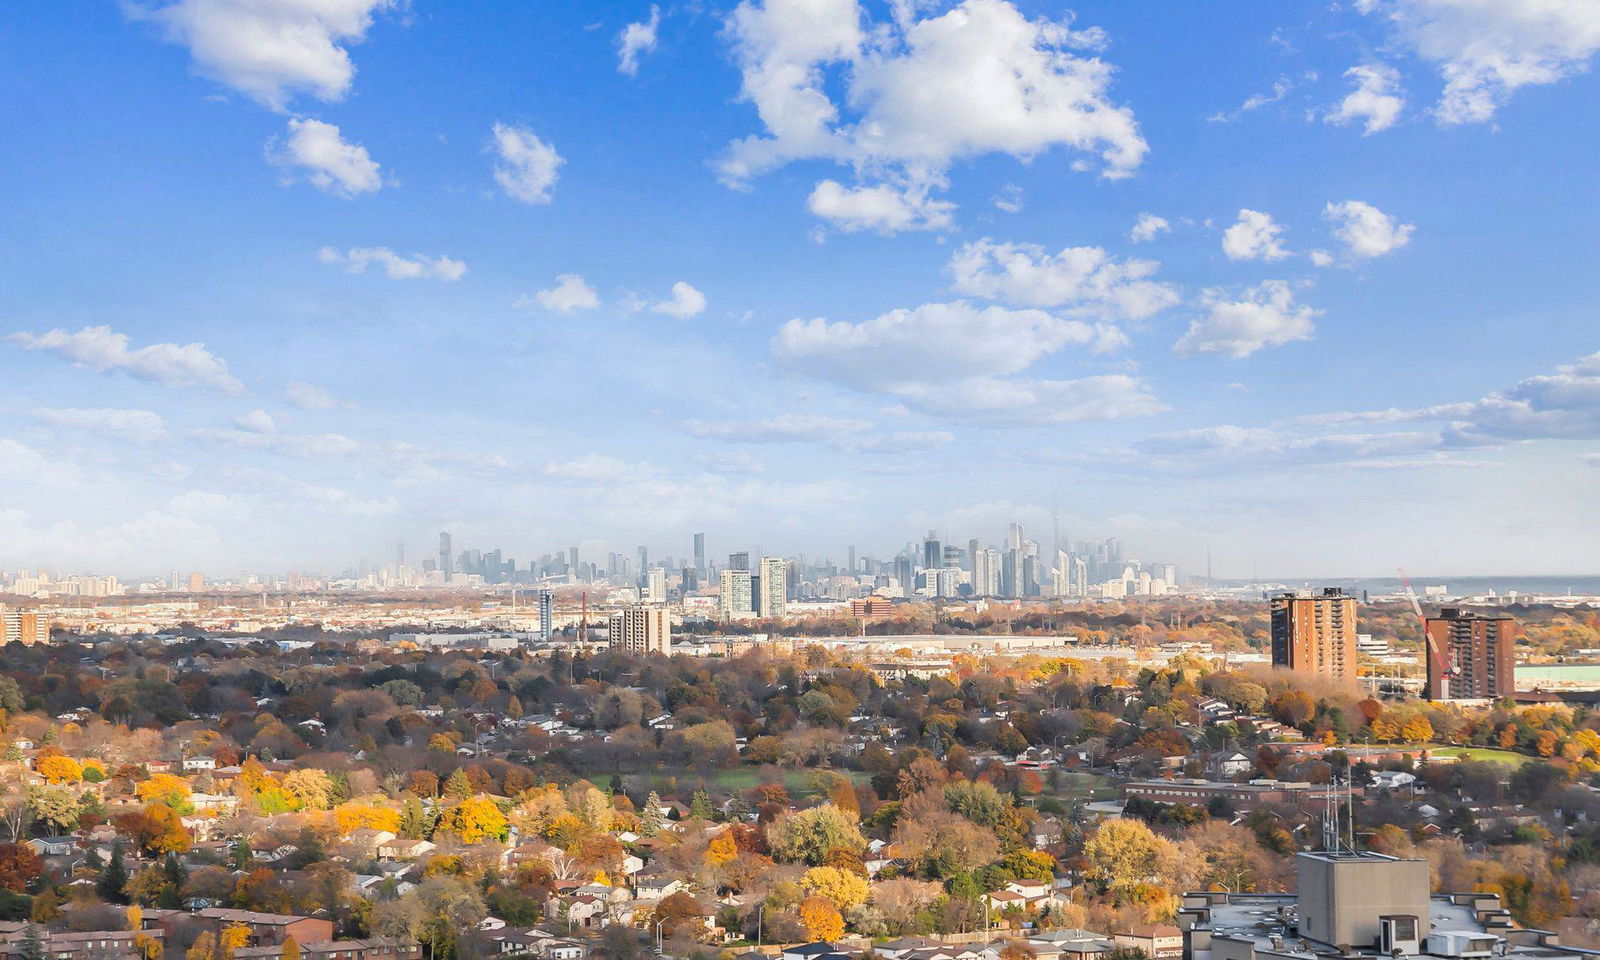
(475, 820)
(59, 769)
(19, 865)
(700, 806)
(291, 949)
(31, 946)
(808, 835)
(1124, 855)
(676, 911)
(721, 849)
(233, 937)
(310, 788)
(114, 877)
(821, 918)
(204, 948)
(46, 907)
(1417, 729)
(845, 889)
(58, 807)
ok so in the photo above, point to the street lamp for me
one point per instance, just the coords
(759, 911)
(659, 950)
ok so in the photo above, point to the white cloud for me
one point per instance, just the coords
(1488, 49)
(309, 396)
(783, 428)
(416, 267)
(140, 426)
(956, 360)
(883, 208)
(684, 302)
(917, 94)
(1280, 89)
(20, 462)
(637, 38)
(1085, 280)
(1365, 230)
(1148, 227)
(528, 167)
(256, 421)
(570, 293)
(331, 163)
(1321, 258)
(1263, 316)
(1563, 405)
(1376, 100)
(1009, 199)
(1592, 459)
(1254, 236)
(104, 350)
(269, 50)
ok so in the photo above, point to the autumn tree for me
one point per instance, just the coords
(807, 836)
(845, 889)
(1125, 855)
(821, 918)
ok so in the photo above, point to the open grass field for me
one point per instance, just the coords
(1480, 754)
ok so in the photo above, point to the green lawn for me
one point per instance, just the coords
(1480, 754)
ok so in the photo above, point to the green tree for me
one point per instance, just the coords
(114, 877)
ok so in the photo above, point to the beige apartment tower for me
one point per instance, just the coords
(642, 628)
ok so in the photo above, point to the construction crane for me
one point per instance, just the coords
(1446, 668)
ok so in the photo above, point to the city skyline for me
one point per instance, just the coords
(1306, 290)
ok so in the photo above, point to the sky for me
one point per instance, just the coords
(1307, 285)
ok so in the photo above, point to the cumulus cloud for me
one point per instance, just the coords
(396, 267)
(308, 396)
(635, 39)
(269, 51)
(1083, 280)
(1265, 315)
(684, 302)
(882, 208)
(140, 426)
(1486, 50)
(957, 360)
(331, 163)
(570, 293)
(256, 421)
(1376, 99)
(527, 167)
(917, 93)
(1365, 230)
(1148, 227)
(104, 350)
(1254, 236)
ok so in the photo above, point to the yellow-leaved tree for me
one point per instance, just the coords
(845, 888)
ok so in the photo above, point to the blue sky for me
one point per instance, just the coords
(284, 283)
